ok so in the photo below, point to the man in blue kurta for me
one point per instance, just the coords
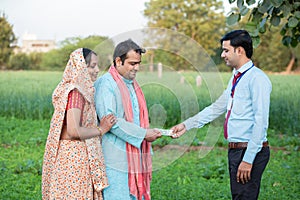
(117, 92)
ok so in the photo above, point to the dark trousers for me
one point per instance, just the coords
(249, 190)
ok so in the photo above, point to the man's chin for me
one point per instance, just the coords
(132, 76)
(228, 64)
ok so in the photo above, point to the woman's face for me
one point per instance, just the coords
(93, 68)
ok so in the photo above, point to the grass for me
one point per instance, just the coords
(27, 95)
(22, 146)
(191, 177)
(179, 171)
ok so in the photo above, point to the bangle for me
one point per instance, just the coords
(100, 130)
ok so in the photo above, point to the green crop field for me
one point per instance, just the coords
(192, 167)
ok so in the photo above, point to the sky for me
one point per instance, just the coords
(60, 19)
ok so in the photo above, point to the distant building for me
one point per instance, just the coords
(31, 44)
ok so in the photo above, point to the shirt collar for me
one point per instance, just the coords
(243, 68)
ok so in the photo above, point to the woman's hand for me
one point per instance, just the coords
(107, 122)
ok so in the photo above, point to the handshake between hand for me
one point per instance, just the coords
(174, 132)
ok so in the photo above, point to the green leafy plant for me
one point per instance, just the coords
(268, 13)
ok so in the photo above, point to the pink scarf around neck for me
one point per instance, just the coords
(139, 177)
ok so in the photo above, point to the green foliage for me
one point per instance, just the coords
(277, 12)
(232, 19)
(30, 94)
(170, 60)
(197, 173)
(19, 61)
(199, 20)
(30, 97)
(7, 37)
(58, 58)
(35, 60)
(191, 176)
(284, 115)
(271, 55)
(22, 144)
(186, 178)
(55, 59)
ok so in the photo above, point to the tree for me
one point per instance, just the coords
(7, 37)
(271, 54)
(19, 61)
(35, 59)
(268, 13)
(200, 20)
(58, 58)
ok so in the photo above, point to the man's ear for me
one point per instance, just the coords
(118, 61)
(241, 50)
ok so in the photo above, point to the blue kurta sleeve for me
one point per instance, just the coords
(108, 100)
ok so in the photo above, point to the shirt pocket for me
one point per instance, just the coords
(241, 101)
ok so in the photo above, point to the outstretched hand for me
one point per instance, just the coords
(178, 130)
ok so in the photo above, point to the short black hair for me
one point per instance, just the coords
(124, 47)
(240, 38)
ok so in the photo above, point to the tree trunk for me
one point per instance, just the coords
(288, 69)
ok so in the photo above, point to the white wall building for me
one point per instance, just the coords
(31, 44)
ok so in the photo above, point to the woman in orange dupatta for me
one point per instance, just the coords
(73, 165)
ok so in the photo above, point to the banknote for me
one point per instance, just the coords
(165, 132)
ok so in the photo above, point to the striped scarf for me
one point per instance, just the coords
(139, 176)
